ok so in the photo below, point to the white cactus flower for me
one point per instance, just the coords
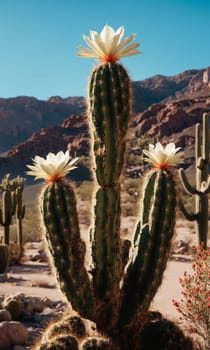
(108, 46)
(163, 157)
(54, 168)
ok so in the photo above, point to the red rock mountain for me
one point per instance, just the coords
(164, 106)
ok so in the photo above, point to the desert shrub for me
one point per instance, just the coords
(194, 306)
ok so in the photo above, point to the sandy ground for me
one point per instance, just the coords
(36, 279)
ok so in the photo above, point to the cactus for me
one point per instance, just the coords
(20, 211)
(67, 248)
(123, 277)
(7, 212)
(96, 344)
(63, 342)
(202, 183)
(164, 334)
(151, 242)
(11, 199)
(4, 257)
(68, 325)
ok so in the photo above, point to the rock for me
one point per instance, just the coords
(3, 277)
(15, 306)
(12, 333)
(46, 301)
(5, 315)
(37, 317)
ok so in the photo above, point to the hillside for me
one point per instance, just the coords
(167, 107)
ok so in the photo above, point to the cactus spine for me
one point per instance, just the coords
(4, 257)
(202, 183)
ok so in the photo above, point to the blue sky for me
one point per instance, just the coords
(39, 40)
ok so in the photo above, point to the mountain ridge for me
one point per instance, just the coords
(161, 105)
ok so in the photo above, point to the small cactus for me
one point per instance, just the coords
(68, 325)
(62, 342)
(96, 344)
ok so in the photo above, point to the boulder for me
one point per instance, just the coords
(12, 333)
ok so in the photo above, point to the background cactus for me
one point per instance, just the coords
(202, 183)
(7, 212)
(12, 190)
(4, 257)
(20, 210)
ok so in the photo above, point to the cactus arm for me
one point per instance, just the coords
(145, 271)
(205, 137)
(188, 188)
(189, 216)
(66, 247)
(197, 141)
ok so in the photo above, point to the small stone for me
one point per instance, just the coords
(37, 317)
(5, 315)
(3, 277)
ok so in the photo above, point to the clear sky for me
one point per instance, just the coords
(39, 40)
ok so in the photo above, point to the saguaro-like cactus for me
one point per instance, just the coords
(12, 203)
(119, 286)
(20, 210)
(7, 212)
(202, 182)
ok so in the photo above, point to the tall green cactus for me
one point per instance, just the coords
(202, 182)
(109, 112)
(122, 281)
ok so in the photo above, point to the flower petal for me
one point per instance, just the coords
(163, 157)
(53, 168)
(108, 46)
